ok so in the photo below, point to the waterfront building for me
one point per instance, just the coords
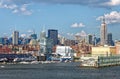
(103, 32)
(103, 51)
(117, 44)
(15, 37)
(53, 34)
(65, 51)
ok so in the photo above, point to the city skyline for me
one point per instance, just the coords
(67, 16)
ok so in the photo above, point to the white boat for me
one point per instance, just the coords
(35, 62)
(3, 59)
(24, 62)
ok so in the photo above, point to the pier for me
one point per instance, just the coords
(100, 61)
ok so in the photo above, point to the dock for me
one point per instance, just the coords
(100, 61)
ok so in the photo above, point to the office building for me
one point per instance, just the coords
(53, 34)
(109, 39)
(15, 37)
(1, 40)
(90, 39)
(42, 34)
(46, 44)
(33, 36)
(43, 42)
(103, 32)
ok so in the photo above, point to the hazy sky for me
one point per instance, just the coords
(69, 17)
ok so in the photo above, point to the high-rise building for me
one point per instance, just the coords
(53, 34)
(77, 38)
(43, 42)
(90, 39)
(33, 36)
(109, 39)
(103, 32)
(1, 40)
(42, 34)
(46, 44)
(15, 37)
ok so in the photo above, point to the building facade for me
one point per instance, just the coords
(15, 37)
(65, 51)
(103, 51)
(53, 34)
(103, 33)
(46, 44)
(90, 39)
(109, 39)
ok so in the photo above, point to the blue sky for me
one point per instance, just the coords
(69, 17)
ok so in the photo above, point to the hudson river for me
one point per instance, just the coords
(57, 71)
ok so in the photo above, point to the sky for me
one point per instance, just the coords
(69, 17)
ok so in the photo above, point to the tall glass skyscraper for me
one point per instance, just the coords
(90, 39)
(43, 41)
(103, 32)
(15, 37)
(109, 39)
(53, 34)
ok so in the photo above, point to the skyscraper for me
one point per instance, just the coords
(53, 34)
(33, 36)
(46, 44)
(109, 39)
(43, 42)
(15, 37)
(103, 32)
(90, 39)
(42, 34)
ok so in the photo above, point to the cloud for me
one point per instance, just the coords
(77, 25)
(70, 34)
(112, 3)
(15, 8)
(17, 5)
(81, 2)
(30, 31)
(23, 10)
(111, 18)
(23, 35)
(96, 3)
(82, 34)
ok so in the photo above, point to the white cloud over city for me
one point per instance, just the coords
(77, 25)
(19, 6)
(82, 33)
(15, 8)
(111, 18)
(112, 3)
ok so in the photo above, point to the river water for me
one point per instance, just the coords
(57, 71)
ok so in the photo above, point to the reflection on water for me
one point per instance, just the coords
(57, 71)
